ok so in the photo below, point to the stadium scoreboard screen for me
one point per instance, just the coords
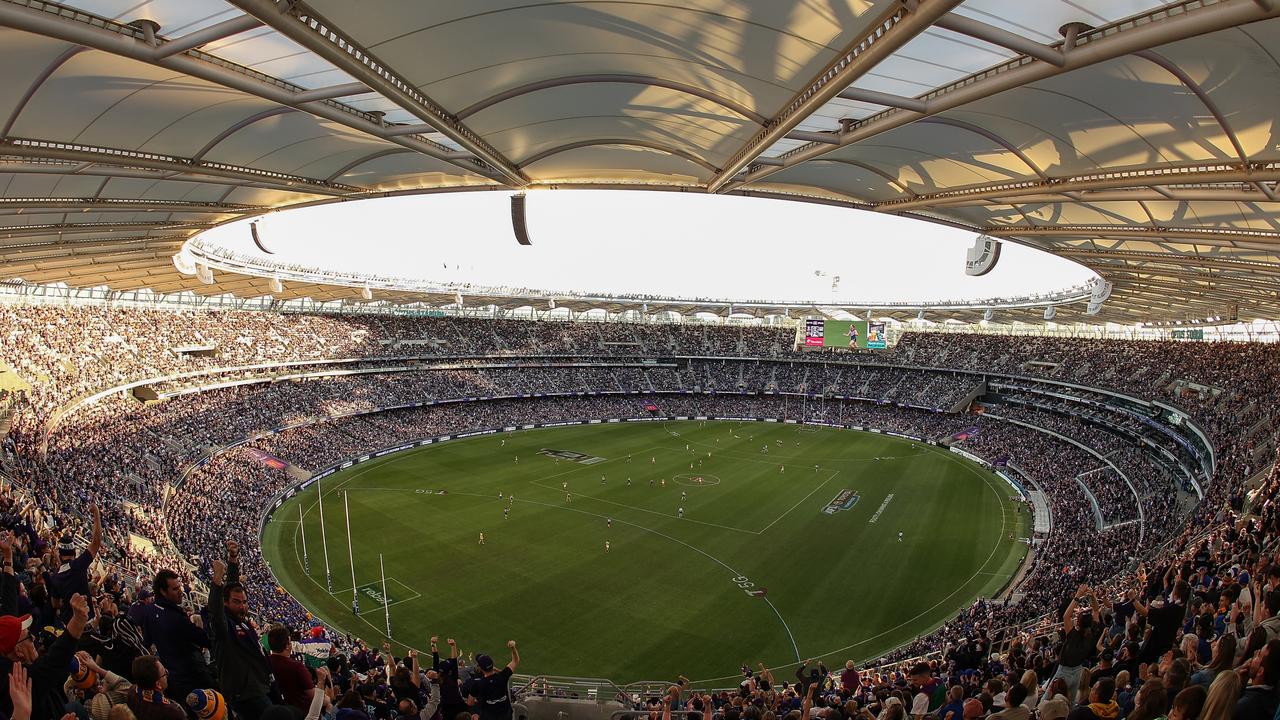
(847, 334)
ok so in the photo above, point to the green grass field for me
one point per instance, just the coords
(671, 595)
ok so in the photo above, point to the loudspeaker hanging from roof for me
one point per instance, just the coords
(257, 240)
(518, 219)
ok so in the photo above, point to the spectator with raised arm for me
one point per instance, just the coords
(72, 575)
(48, 670)
(243, 671)
(490, 693)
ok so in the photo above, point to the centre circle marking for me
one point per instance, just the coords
(696, 479)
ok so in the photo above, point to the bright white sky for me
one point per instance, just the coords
(661, 243)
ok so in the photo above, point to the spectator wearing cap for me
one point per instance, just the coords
(1106, 666)
(47, 670)
(141, 607)
(243, 672)
(147, 699)
(490, 693)
(178, 641)
(72, 575)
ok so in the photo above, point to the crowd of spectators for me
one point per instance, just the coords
(146, 487)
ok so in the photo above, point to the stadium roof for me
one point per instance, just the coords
(1135, 136)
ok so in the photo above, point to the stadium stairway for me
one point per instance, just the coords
(964, 403)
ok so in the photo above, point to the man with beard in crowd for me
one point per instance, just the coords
(243, 671)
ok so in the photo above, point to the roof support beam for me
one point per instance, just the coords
(1117, 196)
(29, 231)
(875, 97)
(1217, 262)
(814, 137)
(124, 40)
(35, 205)
(892, 30)
(1266, 240)
(213, 33)
(132, 159)
(1155, 177)
(301, 24)
(997, 36)
(1161, 25)
(45, 166)
(332, 92)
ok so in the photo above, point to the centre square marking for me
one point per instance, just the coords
(696, 479)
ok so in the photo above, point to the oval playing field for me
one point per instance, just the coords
(780, 555)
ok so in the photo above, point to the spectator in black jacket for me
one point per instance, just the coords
(243, 671)
(178, 640)
(49, 670)
(72, 575)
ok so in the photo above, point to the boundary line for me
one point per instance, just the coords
(798, 502)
